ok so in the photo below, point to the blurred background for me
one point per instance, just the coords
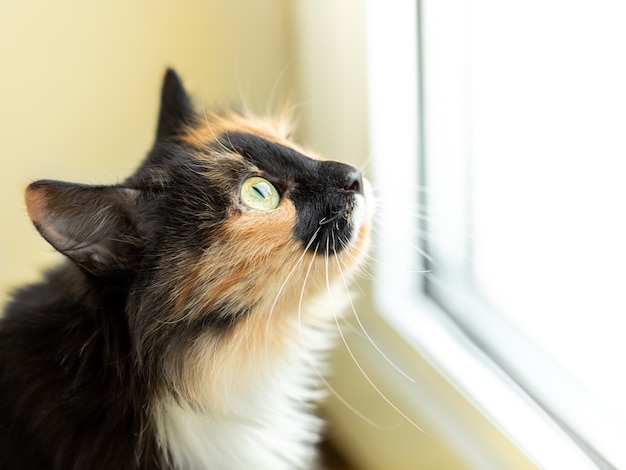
(79, 96)
(79, 91)
(79, 87)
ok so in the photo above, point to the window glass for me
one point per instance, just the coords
(524, 117)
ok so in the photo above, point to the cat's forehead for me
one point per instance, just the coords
(214, 129)
(254, 145)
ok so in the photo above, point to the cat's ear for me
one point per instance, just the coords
(95, 226)
(176, 112)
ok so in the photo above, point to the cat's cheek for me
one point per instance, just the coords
(261, 230)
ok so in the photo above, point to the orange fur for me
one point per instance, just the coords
(253, 259)
(275, 129)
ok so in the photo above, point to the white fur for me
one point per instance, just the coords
(272, 429)
(270, 425)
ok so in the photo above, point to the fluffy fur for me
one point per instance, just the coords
(186, 330)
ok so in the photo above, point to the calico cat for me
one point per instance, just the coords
(186, 328)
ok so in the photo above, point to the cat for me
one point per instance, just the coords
(186, 330)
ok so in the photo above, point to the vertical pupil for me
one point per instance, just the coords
(260, 189)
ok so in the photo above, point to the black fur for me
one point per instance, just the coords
(76, 375)
(322, 191)
(81, 353)
(70, 396)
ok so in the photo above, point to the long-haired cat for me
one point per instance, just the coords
(185, 330)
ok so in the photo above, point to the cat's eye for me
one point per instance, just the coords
(258, 193)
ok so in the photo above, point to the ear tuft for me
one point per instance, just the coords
(95, 226)
(176, 110)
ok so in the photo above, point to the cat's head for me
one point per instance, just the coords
(226, 229)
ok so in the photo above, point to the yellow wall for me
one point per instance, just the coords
(79, 85)
(330, 39)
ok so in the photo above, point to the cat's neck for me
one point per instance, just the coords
(278, 434)
(270, 427)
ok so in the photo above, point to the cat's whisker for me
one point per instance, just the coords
(424, 243)
(312, 362)
(430, 225)
(358, 319)
(350, 352)
(199, 267)
(414, 247)
(386, 187)
(337, 215)
(293, 270)
(360, 256)
(209, 125)
(270, 103)
(353, 329)
(365, 271)
(380, 262)
(420, 239)
(240, 89)
(402, 212)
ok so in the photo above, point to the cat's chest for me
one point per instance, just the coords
(272, 428)
(270, 442)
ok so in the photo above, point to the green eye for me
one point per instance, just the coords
(258, 193)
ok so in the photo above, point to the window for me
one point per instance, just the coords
(517, 113)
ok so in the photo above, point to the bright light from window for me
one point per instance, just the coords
(549, 179)
(524, 124)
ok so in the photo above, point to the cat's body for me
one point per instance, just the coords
(187, 328)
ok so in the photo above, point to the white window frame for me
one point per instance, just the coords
(394, 123)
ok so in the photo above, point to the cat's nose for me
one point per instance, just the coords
(345, 177)
(353, 181)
